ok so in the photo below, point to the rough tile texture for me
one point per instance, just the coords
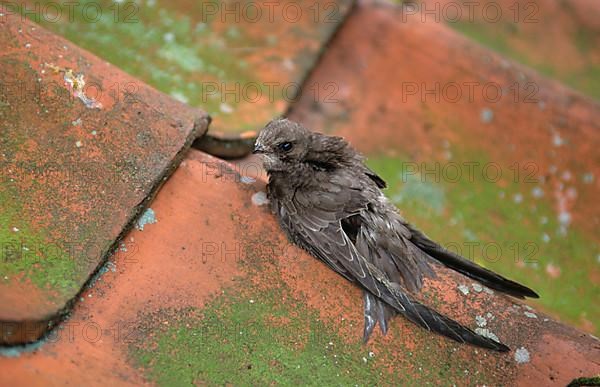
(559, 39)
(83, 147)
(212, 293)
(242, 62)
(509, 179)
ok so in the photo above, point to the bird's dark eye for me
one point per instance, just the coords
(286, 146)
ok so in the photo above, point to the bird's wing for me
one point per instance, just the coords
(467, 267)
(316, 218)
(379, 182)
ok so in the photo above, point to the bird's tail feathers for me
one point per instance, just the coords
(433, 321)
(376, 312)
(396, 297)
(469, 268)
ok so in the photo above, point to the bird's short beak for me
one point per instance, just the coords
(258, 148)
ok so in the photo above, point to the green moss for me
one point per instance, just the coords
(248, 336)
(258, 338)
(268, 334)
(507, 229)
(586, 80)
(583, 40)
(184, 50)
(496, 36)
(27, 252)
(172, 48)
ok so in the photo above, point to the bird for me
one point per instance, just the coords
(331, 204)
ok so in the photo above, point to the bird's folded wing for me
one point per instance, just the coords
(316, 218)
(469, 268)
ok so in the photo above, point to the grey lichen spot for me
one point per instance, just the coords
(481, 321)
(16, 351)
(487, 333)
(486, 115)
(260, 199)
(149, 217)
(477, 287)
(422, 191)
(537, 192)
(588, 178)
(522, 355)
(488, 290)
(76, 84)
(464, 289)
(111, 266)
(518, 198)
(557, 140)
(530, 315)
(226, 108)
(541, 105)
(180, 96)
(247, 179)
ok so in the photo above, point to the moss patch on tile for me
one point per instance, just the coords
(249, 336)
(261, 331)
(164, 46)
(28, 254)
(581, 73)
(507, 226)
(253, 339)
(240, 66)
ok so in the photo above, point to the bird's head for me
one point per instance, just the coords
(282, 144)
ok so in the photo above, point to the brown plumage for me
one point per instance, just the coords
(330, 204)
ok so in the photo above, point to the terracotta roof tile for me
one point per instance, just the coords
(84, 147)
(213, 292)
